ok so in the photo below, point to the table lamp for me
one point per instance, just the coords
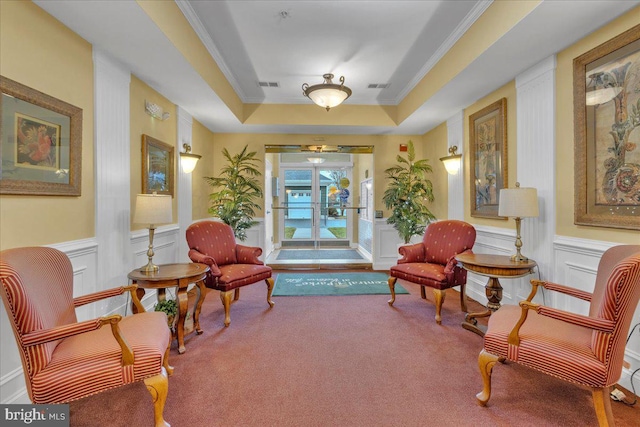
(152, 209)
(518, 203)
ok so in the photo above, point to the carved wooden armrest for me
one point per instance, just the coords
(43, 336)
(577, 293)
(597, 324)
(108, 293)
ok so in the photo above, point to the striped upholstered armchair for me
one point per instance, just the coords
(65, 360)
(432, 263)
(587, 350)
(231, 265)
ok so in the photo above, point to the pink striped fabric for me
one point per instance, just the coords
(72, 363)
(587, 350)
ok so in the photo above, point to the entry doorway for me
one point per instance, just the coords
(315, 208)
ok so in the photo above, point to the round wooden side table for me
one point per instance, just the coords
(494, 267)
(178, 276)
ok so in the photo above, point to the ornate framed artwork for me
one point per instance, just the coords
(488, 154)
(40, 143)
(606, 105)
(157, 166)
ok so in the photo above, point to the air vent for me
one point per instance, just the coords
(378, 85)
(268, 84)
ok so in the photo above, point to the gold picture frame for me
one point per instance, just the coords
(40, 143)
(488, 154)
(157, 166)
(606, 104)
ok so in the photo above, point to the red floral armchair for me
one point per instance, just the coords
(231, 265)
(65, 360)
(432, 262)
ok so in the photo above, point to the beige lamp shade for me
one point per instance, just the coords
(519, 202)
(153, 209)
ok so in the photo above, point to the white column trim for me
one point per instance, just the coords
(185, 201)
(455, 136)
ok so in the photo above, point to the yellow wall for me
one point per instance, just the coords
(507, 91)
(162, 130)
(436, 146)
(54, 60)
(565, 136)
(201, 143)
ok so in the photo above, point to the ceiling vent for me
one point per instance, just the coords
(378, 85)
(268, 84)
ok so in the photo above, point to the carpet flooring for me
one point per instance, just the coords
(298, 254)
(300, 284)
(346, 362)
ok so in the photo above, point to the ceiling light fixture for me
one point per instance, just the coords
(316, 160)
(327, 94)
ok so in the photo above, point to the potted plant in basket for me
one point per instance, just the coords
(170, 308)
(237, 189)
(406, 193)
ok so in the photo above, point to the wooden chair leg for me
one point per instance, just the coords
(423, 293)
(225, 297)
(602, 404)
(439, 295)
(486, 361)
(392, 289)
(236, 294)
(158, 387)
(270, 283)
(463, 297)
(165, 360)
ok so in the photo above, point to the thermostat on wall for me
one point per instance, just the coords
(378, 214)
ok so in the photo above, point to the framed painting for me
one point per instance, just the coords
(488, 154)
(606, 105)
(157, 166)
(40, 143)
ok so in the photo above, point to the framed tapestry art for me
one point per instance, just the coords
(488, 153)
(606, 98)
(157, 166)
(41, 143)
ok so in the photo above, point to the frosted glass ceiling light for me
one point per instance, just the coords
(327, 94)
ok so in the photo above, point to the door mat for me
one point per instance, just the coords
(304, 284)
(297, 254)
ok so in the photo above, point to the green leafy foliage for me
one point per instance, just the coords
(406, 194)
(168, 306)
(236, 191)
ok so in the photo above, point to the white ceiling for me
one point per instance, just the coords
(295, 42)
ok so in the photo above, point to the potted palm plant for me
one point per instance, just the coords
(236, 191)
(406, 193)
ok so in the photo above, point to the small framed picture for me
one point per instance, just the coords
(157, 166)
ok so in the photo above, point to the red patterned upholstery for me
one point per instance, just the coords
(231, 265)
(432, 263)
(64, 359)
(587, 350)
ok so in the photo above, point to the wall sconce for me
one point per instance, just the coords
(155, 111)
(188, 160)
(152, 209)
(452, 161)
(518, 203)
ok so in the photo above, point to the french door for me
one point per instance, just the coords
(314, 203)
